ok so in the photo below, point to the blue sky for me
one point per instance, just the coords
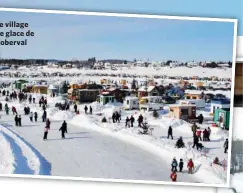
(201, 8)
(79, 37)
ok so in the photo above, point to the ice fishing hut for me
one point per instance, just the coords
(105, 98)
(42, 89)
(200, 103)
(184, 112)
(20, 84)
(192, 96)
(222, 116)
(52, 90)
(219, 104)
(130, 102)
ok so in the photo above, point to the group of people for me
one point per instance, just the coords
(116, 117)
(86, 109)
(175, 164)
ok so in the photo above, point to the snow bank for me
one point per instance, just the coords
(164, 150)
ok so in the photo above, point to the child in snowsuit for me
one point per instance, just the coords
(181, 164)
(174, 165)
(173, 176)
(190, 166)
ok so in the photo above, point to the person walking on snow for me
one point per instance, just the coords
(194, 128)
(173, 176)
(195, 142)
(44, 116)
(45, 133)
(75, 108)
(170, 133)
(6, 109)
(209, 133)
(31, 116)
(226, 145)
(14, 110)
(200, 119)
(48, 123)
(132, 120)
(16, 120)
(198, 133)
(205, 135)
(90, 110)
(36, 116)
(190, 166)
(85, 109)
(140, 120)
(181, 165)
(174, 165)
(63, 129)
(127, 122)
(19, 121)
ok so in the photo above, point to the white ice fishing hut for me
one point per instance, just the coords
(130, 102)
(200, 103)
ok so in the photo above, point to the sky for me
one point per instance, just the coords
(200, 8)
(67, 37)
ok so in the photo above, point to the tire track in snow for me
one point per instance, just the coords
(6, 156)
(21, 162)
(32, 161)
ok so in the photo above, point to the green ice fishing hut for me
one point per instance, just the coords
(222, 116)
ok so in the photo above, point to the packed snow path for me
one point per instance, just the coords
(86, 153)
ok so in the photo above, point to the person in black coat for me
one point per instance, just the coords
(226, 145)
(170, 133)
(1, 106)
(132, 120)
(63, 129)
(195, 141)
(200, 119)
(19, 121)
(16, 119)
(85, 109)
(75, 108)
(35, 116)
(90, 110)
(181, 164)
(44, 116)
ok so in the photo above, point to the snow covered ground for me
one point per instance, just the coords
(93, 149)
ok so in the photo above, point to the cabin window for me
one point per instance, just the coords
(112, 99)
(127, 102)
(194, 97)
(188, 97)
(134, 102)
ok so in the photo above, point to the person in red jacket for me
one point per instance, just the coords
(14, 110)
(190, 166)
(173, 176)
(198, 134)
